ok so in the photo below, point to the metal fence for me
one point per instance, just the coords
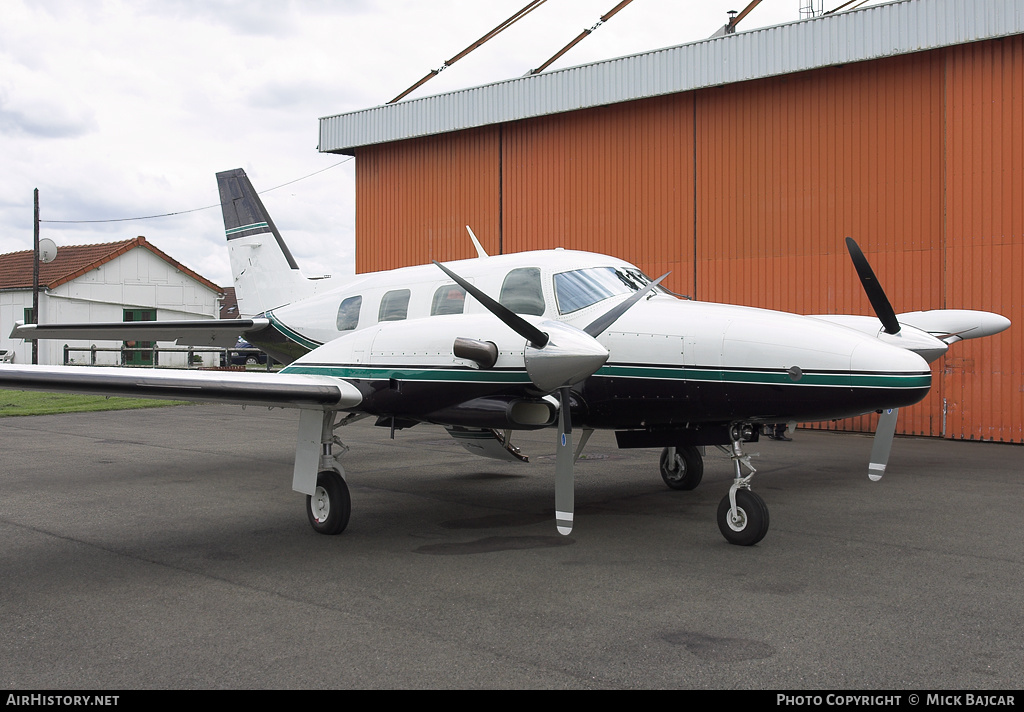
(194, 359)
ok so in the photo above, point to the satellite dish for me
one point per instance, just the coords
(47, 250)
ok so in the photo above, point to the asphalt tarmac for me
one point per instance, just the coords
(165, 549)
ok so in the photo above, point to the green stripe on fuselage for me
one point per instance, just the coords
(291, 333)
(779, 378)
(828, 380)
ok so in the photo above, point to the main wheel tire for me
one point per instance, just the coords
(330, 505)
(751, 523)
(684, 471)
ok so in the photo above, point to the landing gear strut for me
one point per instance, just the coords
(742, 514)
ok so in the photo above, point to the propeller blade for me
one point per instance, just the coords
(876, 295)
(597, 327)
(564, 485)
(563, 356)
(515, 322)
(884, 434)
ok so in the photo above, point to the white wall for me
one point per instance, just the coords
(137, 279)
(12, 309)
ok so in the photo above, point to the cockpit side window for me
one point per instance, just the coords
(521, 291)
(448, 299)
(348, 313)
(394, 306)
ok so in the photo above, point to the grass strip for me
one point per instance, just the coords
(40, 403)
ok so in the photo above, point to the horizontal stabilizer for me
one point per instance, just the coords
(192, 332)
(271, 389)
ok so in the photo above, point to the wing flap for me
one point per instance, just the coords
(188, 332)
(271, 389)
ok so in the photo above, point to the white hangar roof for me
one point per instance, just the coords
(869, 33)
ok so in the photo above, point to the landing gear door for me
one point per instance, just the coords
(488, 443)
(307, 451)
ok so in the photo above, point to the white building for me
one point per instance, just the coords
(129, 280)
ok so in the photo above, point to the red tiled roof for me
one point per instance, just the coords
(75, 260)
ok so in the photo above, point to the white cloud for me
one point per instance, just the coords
(124, 108)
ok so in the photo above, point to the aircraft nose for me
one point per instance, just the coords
(879, 365)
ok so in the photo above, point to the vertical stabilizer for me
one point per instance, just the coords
(266, 275)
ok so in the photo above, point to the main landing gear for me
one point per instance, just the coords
(742, 514)
(682, 467)
(328, 503)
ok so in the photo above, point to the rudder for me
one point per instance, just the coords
(266, 275)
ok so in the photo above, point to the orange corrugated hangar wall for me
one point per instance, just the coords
(746, 191)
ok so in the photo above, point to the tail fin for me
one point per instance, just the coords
(266, 275)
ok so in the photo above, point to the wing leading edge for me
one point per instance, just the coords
(189, 332)
(270, 389)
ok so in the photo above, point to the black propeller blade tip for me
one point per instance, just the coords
(515, 322)
(876, 295)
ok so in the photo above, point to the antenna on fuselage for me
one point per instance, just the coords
(476, 243)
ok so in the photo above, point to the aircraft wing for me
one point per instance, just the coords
(270, 389)
(189, 332)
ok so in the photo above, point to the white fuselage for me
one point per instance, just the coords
(671, 361)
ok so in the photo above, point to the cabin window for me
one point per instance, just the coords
(348, 313)
(449, 299)
(583, 287)
(521, 291)
(394, 306)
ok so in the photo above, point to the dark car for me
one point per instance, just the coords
(245, 354)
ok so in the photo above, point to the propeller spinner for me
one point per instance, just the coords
(557, 358)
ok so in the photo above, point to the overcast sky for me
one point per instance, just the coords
(127, 108)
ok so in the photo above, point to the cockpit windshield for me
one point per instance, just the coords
(583, 287)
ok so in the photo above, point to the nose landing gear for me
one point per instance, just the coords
(742, 514)
(744, 522)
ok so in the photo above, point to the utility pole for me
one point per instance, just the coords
(35, 277)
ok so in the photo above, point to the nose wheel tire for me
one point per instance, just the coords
(682, 468)
(750, 523)
(330, 505)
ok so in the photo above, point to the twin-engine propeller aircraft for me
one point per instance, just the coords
(573, 341)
